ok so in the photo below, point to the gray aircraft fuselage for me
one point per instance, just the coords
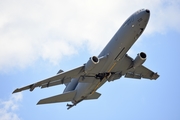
(114, 51)
(111, 64)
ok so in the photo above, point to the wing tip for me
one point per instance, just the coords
(44, 101)
(155, 76)
(16, 90)
(39, 102)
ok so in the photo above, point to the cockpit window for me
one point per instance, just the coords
(128, 21)
(139, 11)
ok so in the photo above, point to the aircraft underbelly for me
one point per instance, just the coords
(86, 89)
(118, 49)
(81, 90)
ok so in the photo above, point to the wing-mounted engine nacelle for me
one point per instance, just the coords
(139, 60)
(91, 63)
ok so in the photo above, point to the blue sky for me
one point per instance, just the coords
(37, 38)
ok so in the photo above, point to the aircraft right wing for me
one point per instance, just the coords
(61, 78)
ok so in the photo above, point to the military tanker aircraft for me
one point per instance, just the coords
(111, 64)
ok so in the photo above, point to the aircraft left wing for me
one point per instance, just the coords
(141, 72)
(61, 78)
(124, 68)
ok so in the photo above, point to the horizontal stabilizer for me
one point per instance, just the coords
(95, 95)
(66, 97)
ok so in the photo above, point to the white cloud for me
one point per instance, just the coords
(50, 30)
(164, 16)
(9, 107)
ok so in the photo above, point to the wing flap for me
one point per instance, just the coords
(141, 72)
(57, 82)
(66, 97)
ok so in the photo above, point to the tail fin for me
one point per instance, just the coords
(65, 97)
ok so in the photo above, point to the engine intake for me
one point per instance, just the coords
(139, 60)
(91, 63)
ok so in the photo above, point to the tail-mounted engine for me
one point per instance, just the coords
(91, 63)
(139, 60)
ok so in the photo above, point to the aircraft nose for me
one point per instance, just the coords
(147, 11)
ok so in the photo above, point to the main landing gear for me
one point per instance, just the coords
(70, 106)
(101, 76)
(74, 104)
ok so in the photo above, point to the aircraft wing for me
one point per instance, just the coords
(140, 72)
(123, 68)
(61, 78)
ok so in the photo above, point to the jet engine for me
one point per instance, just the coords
(139, 60)
(91, 63)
